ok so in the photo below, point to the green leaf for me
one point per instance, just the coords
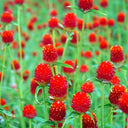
(64, 65)
(97, 11)
(36, 94)
(7, 113)
(61, 25)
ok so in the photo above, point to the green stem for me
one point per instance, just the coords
(53, 37)
(3, 64)
(30, 123)
(124, 117)
(102, 105)
(52, 70)
(56, 126)
(127, 121)
(111, 118)
(81, 125)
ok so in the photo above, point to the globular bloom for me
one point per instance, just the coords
(26, 74)
(87, 87)
(53, 12)
(7, 36)
(63, 38)
(21, 54)
(104, 3)
(85, 5)
(70, 21)
(43, 74)
(83, 68)
(69, 71)
(6, 17)
(15, 65)
(103, 44)
(58, 88)
(115, 80)
(120, 17)
(80, 23)
(116, 54)
(103, 21)
(66, 4)
(88, 54)
(92, 37)
(49, 54)
(57, 111)
(33, 86)
(29, 111)
(60, 51)
(75, 38)
(123, 103)
(105, 71)
(88, 122)
(117, 91)
(111, 22)
(47, 39)
(53, 23)
(20, 2)
(80, 102)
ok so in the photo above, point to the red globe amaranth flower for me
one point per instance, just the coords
(105, 71)
(22, 44)
(123, 103)
(117, 55)
(49, 54)
(43, 74)
(6, 17)
(80, 102)
(29, 111)
(85, 5)
(2, 101)
(47, 39)
(33, 87)
(53, 23)
(97, 53)
(63, 38)
(83, 68)
(60, 51)
(74, 38)
(16, 65)
(66, 4)
(30, 26)
(120, 17)
(95, 7)
(111, 23)
(1, 76)
(26, 74)
(88, 122)
(70, 21)
(57, 111)
(7, 36)
(95, 24)
(19, 2)
(88, 54)
(58, 88)
(21, 54)
(87, 87)
(103, 44)
(117, 91)
(53, 12)
(103, 21)
(104, 3)
(115, 80)
(80, 23)
(69, 71)
(92, 37)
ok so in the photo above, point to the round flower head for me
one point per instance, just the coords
(53, 23)
(69, 21)
(49, 54)
(43, 74)
(53, 12)
(117, 55)
(85, 5)
(58, 88)
(20, 2)
(103, 44)
(115, 80)
(117, 91)
(60, 51)
(110, 22)
(7, 36)
(66, 4)
(123, 103)
(29, 111)
(88, 54)
(80, 23)
(63, 38)
(83, 68)
(74, 38)
(69, 71)
(120, 17)
(26, 74)
(57, 111)
(47, 39)
(104, 3)
(80, 102)
(15, 65)
(87, 87)
(88, 122)
(92, 37)
(105, 71)
(103, 21)
(6, 17)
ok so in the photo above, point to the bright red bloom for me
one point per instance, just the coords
(7, 36)
(103, 21)
(105, 71)
(97, 53)
(85, 5)
(95, 24)
(49, 54)
(43, 74)
(88, 54)
(2, 102)
(74, 38)
(80, 102)
(26, 74)
(70, 21)
(87, 87)
(103, 44)
(111, 23)
(53, 23)
(58, 88)
(6, 17)
(57, 111)
(123, 103)
(21, 53)
(60, 51)
(120, 17)
(47, 39)
(19, 2)
(115, 80)
(53, 12)
(83, 68)
(33, 87)
(88, 122)
(66, 4)
(30, 26)
(104, 3)
(29, 111)
(69, 71)
(80, 23)
(117, 55)
(63, 38)
(92, 37)
(16, 65)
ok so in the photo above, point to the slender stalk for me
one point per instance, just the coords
(81, 125)
(30, 123)
(124, 117)
(111, 118)
(127, 121)
(2, 76)
(53, 37)
(102, 105)
(56, 126)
